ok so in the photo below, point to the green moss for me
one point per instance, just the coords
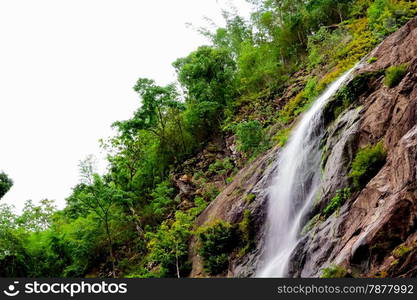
(400, 251)
(229, 180)
(246, 233)
(249, 198)
(336, 202)
(281, 138)
(372, 60)
(334, 271)
(394, 75)
(300, 102)
(216, 242)
(311, 224)
(349, 94)
(366, 165)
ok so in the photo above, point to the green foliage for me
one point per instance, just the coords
(216, 243)
(221, 167)
(334, 272)
(162, 201)
(311, 224)
(366, 165)
(207, 74)
(394, 75)
(210, 192)
(386, 16)
(337, 201)
(168, 246)
(249, 198)
(281, 138)
(249, 136)
(300, 102)
(259, 68)
(36, 217)
(372, 60)
(246, 233)
(128, 221)
(5, 184)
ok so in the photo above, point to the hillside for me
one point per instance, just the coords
(295, 128)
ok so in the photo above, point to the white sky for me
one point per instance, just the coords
(67, 69)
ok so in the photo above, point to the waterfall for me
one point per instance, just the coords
(294, 187)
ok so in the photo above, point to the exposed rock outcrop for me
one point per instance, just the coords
(375, 232)
(382, 216)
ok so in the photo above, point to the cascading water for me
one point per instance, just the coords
(294, 187)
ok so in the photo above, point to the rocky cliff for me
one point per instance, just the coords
(374, 233)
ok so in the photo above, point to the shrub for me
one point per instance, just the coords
(221, 167)
(337, 202)
(394, 75)
(249, 136)
(168, 246)
(334, 272)
(210, 192)
(366, 165)
(162, 199)
(216, 243)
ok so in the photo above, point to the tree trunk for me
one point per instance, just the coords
(113, 260)
(176, 257)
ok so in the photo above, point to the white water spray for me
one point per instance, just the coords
(294, 187)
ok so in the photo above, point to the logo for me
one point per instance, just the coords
(12, 291)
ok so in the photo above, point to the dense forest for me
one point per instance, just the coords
(246, 88)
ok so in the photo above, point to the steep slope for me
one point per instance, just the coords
(373, 233)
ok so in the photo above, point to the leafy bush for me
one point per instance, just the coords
(249, 136)
(386, 16)
(394, 75)
(337, 202)
(221, 167)
(366, 165)
(216, 243)
(334, 272)
(168, 246)
(162, 200)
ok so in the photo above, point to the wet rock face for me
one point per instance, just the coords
(375, 232)
(248, 191)
(383, 216)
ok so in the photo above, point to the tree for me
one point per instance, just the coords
(160, 114)
(207, 75)
(99, 197)
(169, 245)
(5, 184)
(36, 218)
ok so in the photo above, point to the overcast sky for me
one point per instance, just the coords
(67, 69)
